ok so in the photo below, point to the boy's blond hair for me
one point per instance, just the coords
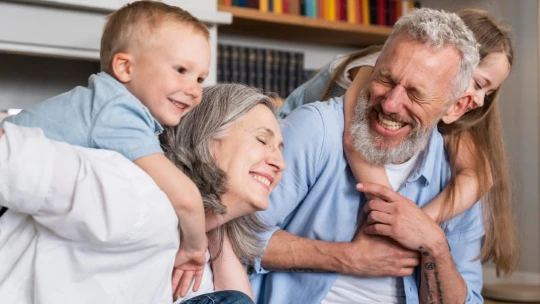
(134, 24)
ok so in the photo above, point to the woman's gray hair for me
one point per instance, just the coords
(439, 29)
(188, 147)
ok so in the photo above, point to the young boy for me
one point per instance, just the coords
(154, 58)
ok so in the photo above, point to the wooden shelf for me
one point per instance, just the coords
(252, 22)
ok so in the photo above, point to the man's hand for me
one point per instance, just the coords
(399, 218)
(378, 256)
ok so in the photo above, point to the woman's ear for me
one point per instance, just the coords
(460, 107)
(122, 67)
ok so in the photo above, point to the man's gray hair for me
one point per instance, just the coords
(439, 29)
(188, 147)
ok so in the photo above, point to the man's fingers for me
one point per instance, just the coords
(378, 217)
(379, 229)
(381, 191)
(378, 205)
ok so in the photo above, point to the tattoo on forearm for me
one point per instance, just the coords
(430, 266)
(428, 288)
(425, 253)
(439, 290)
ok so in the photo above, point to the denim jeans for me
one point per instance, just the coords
(221, 297)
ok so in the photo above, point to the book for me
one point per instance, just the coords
(251, 67)
(259, 68)
(234, 64)
(219, 59)
(225, 64)
(242, 65)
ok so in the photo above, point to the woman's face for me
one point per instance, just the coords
(488, 76)
(251, 155)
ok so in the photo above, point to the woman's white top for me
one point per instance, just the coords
(83, 226)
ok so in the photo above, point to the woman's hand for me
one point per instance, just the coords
(1, 133)
(187, 267)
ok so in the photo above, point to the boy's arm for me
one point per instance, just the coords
(184, 196)
(468, 189)
(363, 171)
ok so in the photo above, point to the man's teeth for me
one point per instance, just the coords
(389, 124)
(262, 179)
(180, 105)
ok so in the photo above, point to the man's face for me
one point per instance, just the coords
(403, 101)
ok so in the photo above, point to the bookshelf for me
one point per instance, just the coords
(252, 22)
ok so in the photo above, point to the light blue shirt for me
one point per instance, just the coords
(104, 115)
(317, 199)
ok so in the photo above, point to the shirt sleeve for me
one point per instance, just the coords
(303, 134)
(465, 240)
(84, 195)
(126, 127)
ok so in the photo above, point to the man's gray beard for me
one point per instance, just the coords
(364, 137)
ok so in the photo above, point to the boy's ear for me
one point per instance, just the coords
(122, 67)
(460, 107)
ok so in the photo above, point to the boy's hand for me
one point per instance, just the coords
(187, 266)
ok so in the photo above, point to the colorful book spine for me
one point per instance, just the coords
(342, 7)
(373, 12)
(227, 2)
(321, 9)
(352, 11)
(253, 4)
(330, 7)
(359, 12)
(278, 6)
(286, 6)
(263, 5)
(365, 12)
(381, 12)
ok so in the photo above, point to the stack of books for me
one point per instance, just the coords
(375, 12)
(271, 70)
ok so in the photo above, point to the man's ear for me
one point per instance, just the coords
(122, 67)
(460, 107)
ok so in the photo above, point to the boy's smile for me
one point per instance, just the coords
(168, 70)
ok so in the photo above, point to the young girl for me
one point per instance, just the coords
(474, 145)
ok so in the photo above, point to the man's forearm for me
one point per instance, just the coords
(440, 281)
(287, 252)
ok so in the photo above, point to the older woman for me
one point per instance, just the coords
(88, 225)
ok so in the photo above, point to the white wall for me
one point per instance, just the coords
(519, 111)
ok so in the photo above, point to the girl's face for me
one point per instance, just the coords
(488, 76)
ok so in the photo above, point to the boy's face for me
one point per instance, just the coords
(168, 71)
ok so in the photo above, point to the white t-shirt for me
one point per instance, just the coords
(83, 226)
(356, 289)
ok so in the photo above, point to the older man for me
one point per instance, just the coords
(424, 66)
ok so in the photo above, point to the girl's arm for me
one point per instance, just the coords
(468, 188)
(229, 272)
(363, 171)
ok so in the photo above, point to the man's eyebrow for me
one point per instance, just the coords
(271, 134)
